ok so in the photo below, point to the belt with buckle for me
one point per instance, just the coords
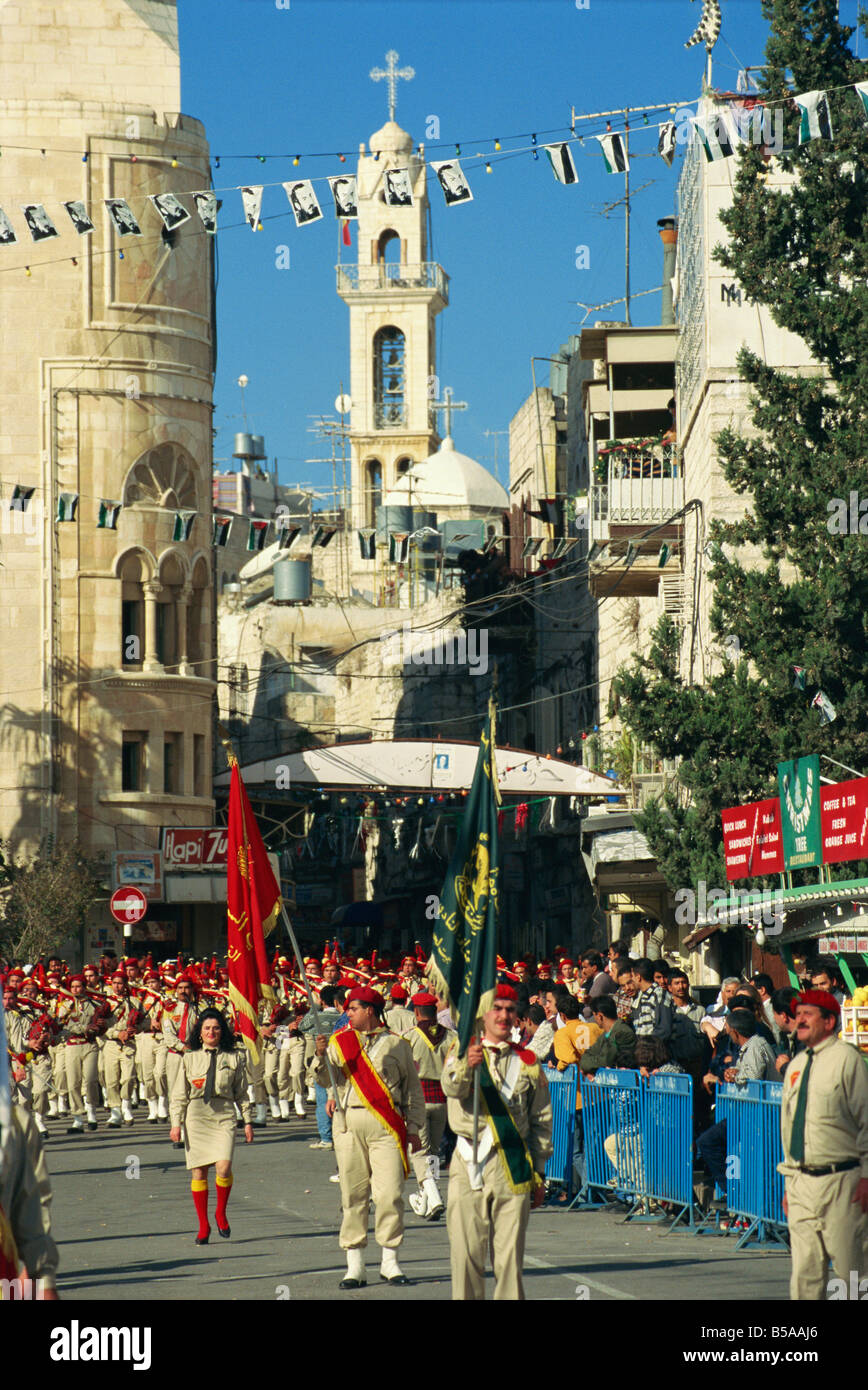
(830, 1168)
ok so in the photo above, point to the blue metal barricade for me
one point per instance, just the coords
(562, 1093)
(639, 1140)
(754, 1188)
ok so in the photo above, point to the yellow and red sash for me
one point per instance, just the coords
(370, 1087)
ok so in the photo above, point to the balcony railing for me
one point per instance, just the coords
(391, 276)
(638, 484)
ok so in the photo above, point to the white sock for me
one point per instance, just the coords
(389, 1264)
(356, 1263)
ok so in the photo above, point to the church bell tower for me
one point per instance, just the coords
(394, 294)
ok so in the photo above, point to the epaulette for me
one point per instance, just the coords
(529, 1058)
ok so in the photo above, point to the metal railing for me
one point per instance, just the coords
(643, 485)
(391, 276)
(754, 1187)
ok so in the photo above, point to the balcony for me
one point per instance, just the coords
(638, 486)
(388, 277)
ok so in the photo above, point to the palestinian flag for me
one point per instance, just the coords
(614, 153)
(67, 506)
(816, 122)
(368, 543)
(183, 525)
(799, 677)
(666, 142)
(286, 535)
(21, 496)
(563, 166)
(825, 706)
(399, 546)
(463, 963)
(256, 535)
(108, 514)
(220, 529)
(718, 135)
(861, 89)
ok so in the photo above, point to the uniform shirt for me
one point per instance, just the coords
(230, 1082)
(119, 1019)
(429, 1050)
(391, 1058)
(399, 1019)
(529, 1104)
(836, 1120)
(173, 1015)
(78, 1019)
(25, 1196)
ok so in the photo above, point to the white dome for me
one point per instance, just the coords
(391, 139)
(448, 481)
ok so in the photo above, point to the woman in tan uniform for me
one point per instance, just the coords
(212, 1078)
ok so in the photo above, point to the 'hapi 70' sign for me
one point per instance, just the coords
(194, 848)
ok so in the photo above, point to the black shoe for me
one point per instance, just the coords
(395, 1279)
(154, 1121)
(352, 1284)
(202, 1240)
(92, 1124)
(224, 1231)
(75, 1129)
(177, 1144)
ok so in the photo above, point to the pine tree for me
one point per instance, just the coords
(803, 253)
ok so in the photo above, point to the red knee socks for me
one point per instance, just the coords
(224, 1187)
(199, 1188)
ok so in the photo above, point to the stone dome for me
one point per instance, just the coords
(391, 139)
(449, 481)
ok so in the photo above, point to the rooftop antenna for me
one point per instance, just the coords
(242, 382)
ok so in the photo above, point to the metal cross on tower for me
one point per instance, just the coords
(447, 405)
(392, 74)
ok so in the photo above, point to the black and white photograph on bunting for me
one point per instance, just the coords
(39, 223)
(206, 207)
(171, 210)
(121, 215)
(303, 201)
(666, 143)
(252, 201)
(79, 217)
(345, 195)
(397, 188)
(451, 178)
(7, 231)
(563, 165)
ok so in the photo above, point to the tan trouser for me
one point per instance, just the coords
(494, 1217)
(120, 1072)
(256, 1077)
(269, 1075)
(82, 1083)
(40, 1079)
(825, 1225)
(429, 1136)
(370, 1166)
(58, 1067)
(160, 1053)
(146, 1058)
(173, 1066)
(290, 1070)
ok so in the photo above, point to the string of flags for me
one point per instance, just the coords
(720, 136)
(821, 701)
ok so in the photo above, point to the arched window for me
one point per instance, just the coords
(198, 622)
(402, 465)
(172, 580)
(131, 573)
(373, 490)
(389, 248)
(388, 378)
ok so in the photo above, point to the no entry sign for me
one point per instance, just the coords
(128, 905)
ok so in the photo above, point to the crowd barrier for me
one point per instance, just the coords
(754, 1187)
(638, 1144)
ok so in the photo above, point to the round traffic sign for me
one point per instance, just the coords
(128, 905)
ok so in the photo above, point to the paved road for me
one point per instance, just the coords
(127, 1237)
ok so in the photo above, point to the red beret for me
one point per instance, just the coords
(820, 998)
(73, 978)
(398, 992)
(424, 1000)
(506, 992)
(365, 995)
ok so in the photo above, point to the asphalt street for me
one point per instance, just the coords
(124, 1220)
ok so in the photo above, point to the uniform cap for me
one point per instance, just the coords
(73, 978)
(820, 998)
(424, 1000)
(506, 992)
(365, 995)
(398, 992)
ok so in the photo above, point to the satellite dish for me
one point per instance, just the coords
(343, 405)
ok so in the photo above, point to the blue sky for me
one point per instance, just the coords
(280, 81)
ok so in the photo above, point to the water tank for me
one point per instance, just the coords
(292, 581)
(393, 519)
(244, 448)
(423, 520)
(258, 441)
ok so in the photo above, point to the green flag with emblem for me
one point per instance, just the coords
(463, 963)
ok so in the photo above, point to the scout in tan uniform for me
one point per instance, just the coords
(398, 1017)
(120, 1053)
(179, 1019)
(490, 1201)
(35, 1089)
(81, 1024)
(382, 1111)
(824, 1130)
(25, 1199)
(148, 1041)
(429, 1042)
(52, 1003)
(211, 1081)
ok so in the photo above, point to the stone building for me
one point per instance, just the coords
(107, 667)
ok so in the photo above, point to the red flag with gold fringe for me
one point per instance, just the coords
(253, 905)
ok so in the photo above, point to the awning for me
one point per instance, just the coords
(619, 846)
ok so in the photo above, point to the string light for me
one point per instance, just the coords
(645, 118)
(297, 160)
(488, 168)
(84, 159)
(120, 255)
(535, 151)
(497, 144)
(27, 270)
(134, 159)
(174, 163)
(217, 161)
(261, 158)
(342, 158)
(259, 226)
(74, 261)
(457, 149)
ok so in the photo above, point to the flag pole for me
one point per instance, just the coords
(492, 725)
(313, 1008)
